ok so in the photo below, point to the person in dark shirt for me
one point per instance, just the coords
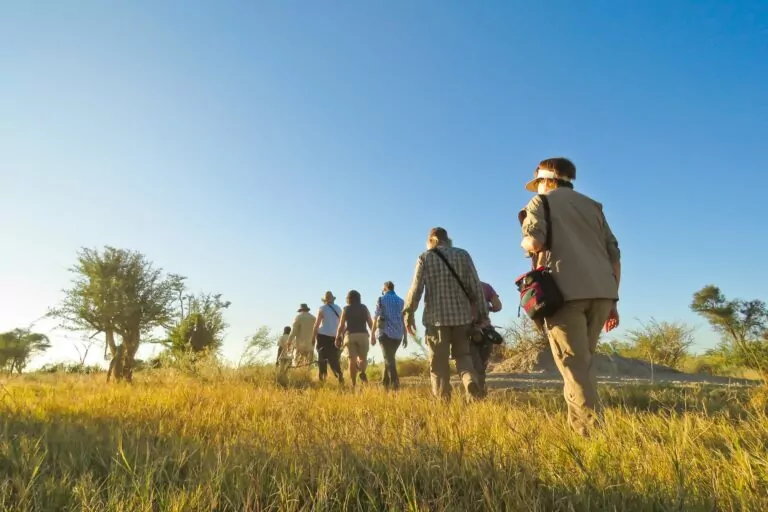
(354, 326)
(481, 352)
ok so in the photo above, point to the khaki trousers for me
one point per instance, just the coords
(573, 333)
(444, 342)
(304, 356)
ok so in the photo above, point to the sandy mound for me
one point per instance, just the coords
(543, 362)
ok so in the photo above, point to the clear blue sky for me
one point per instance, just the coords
(272, 150)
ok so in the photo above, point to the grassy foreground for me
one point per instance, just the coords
(237, 443)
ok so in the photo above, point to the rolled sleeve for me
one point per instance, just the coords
(534, 223)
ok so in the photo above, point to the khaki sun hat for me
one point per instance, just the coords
(328, 297)
(543, 174)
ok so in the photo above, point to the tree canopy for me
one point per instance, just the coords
(18, 346)
(742, 325)
(202, 325)
(118, 292)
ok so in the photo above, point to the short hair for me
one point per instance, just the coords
(286, 330)
(353, 298)
(389, 285)
(562, 167)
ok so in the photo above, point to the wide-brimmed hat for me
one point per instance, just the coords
(543, 174)
(303, 308)
(328, 297)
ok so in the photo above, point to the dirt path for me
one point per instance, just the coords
(548, 379)
(541, 380)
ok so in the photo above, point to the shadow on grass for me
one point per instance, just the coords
(82, 462)
(731, 402)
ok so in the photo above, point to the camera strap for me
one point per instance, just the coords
(458, 279)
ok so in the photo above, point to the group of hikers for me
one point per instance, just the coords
(567, 237)
(354, 329)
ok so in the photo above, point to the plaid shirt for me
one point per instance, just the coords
(445, 304)
(389, 309)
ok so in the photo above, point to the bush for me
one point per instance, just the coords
(412, 367)
(72, 368)
(665, 343)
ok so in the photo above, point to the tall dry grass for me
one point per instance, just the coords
(235, 441)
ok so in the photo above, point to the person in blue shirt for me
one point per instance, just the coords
(389, 327)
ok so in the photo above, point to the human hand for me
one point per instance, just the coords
(613, 320)
(410, 325)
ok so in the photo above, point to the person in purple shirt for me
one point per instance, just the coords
(481, 352)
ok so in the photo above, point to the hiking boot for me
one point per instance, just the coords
(474, 391)
(363, 378)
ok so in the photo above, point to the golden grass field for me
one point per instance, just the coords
(234, 440)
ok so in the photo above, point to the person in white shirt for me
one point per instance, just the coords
(325, 338)
(284, 349)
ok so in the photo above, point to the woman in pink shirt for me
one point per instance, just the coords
(481, 352)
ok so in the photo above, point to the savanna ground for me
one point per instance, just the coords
(235, 440)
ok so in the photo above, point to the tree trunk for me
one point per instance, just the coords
(121, 366)
(110, 345)
(116, 364)
(132, 346)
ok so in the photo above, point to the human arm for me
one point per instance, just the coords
(342, 328)
(495, 304)
(474, 285)
(369, 321)
(376, 316)
(533, 226)
(405, 334)
(373, 330)
(318, 322)
(614, 255)
(414, 296)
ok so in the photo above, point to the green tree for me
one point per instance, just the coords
(202, 324)
(665, 343)
(742, 325)
(256, 344)
(18, 346)
(118, 292)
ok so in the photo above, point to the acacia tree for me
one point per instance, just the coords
(18, 346)
(118, 292)
(256, 344)
(742, 325)
(201, 327)
(665, 343)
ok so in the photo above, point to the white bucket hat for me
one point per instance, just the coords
(543, 174)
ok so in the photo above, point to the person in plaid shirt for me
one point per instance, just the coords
(448, 311)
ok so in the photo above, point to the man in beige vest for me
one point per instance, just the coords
(301, 337)
(586, 265)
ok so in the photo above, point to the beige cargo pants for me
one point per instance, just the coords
(303, 355)
(573, 333)
(444, 342)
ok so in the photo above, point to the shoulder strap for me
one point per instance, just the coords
(547, 220)
(333, 309)
(463, 288)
